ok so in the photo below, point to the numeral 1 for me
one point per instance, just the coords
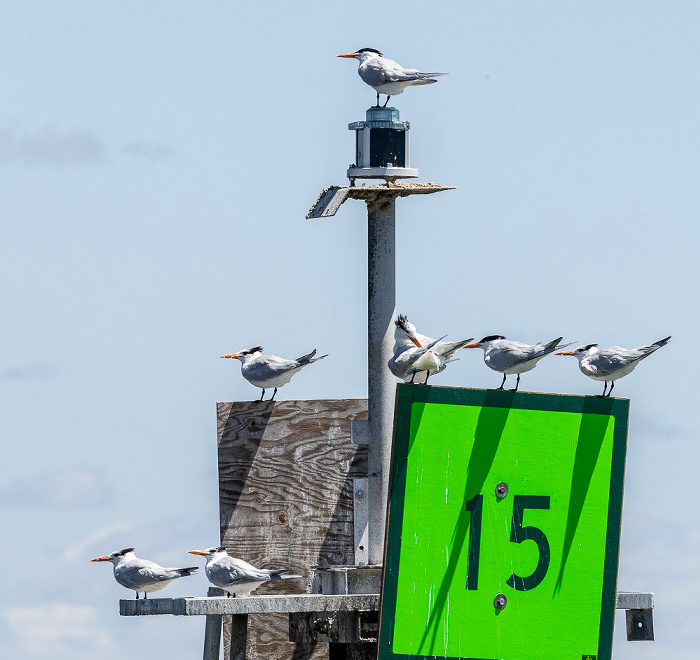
(475, 505)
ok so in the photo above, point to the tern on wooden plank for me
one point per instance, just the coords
(235, 575)
(266, 371)
(142, 575)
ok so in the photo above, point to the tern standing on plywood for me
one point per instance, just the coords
(386, 76)
(266, 371)
(513, 357)
(235, 575)
(611, 364)
(141, 574)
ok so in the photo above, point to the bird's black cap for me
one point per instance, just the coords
(491, 338)
(123, 552)
(588, 347)
(370, 50)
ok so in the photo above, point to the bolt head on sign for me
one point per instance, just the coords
(503, 498)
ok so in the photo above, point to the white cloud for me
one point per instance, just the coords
(59, 631)
(66, 488)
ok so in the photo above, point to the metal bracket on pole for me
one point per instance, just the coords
(639, 615)
(360, 517)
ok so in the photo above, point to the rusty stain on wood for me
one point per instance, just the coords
(286, 472)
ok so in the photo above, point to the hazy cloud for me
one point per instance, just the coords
(148, 150)
(58, 630)
(38, 370)
(78, 550)
(66, 488)
(50, 147)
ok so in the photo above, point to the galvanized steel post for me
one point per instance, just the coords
(381, 308)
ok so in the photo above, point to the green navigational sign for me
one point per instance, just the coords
(504, 525)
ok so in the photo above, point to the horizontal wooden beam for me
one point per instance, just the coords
(300, 603)
(250, 605)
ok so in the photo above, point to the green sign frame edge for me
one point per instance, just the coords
(406, 395)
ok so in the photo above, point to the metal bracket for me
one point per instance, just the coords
(360, 517)
(359, 431)
(639, 615)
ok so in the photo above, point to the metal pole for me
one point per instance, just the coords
(381, 308)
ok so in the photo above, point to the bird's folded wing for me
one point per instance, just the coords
(157, 573)
(608, 362)
(271, 367)
(388, 71)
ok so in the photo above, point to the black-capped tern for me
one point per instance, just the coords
(267, 371)
(235, 575)
(513, 357)
(142, 575)
(386, 76)
(611, 364)
(417, 357)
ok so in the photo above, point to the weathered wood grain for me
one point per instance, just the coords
(286, 499)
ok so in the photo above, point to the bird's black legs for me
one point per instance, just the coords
(412, 377)
(612, 384)
(262, 395)
(385, 102)
(517, 382)
(273, 395)
(145, 595)
(605, 387)
(377, 99)
(503, 382)
(427, 375)
(137, 595)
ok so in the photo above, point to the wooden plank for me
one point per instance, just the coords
(146, 606)
(286, 472)
(277, 604)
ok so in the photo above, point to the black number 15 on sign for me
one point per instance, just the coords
(518, 534)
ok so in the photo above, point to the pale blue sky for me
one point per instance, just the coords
(156, 164)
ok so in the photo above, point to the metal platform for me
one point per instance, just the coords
(330, 199)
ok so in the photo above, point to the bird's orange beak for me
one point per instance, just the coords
(105, 558)
(476, 344)
(415, 341)
(200, 552)
(566, 353)
(346, 55)
(230, 355)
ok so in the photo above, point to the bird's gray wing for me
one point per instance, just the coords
(144, 573)
(269, 366)
(381, 70)
(230, 570)
(610, 360)
(510, 355)
(525, 353)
